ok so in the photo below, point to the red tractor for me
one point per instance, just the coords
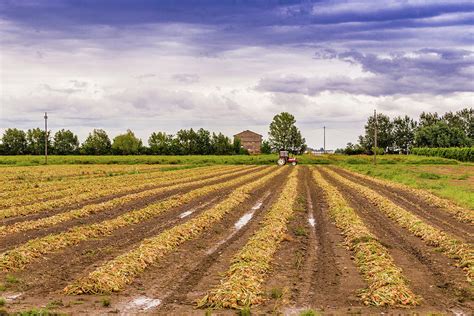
(284, 159)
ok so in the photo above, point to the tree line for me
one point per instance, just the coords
(65, 142)
(400, 134)
(283, 134)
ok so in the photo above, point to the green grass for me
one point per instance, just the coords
(455, 187)
(236, 160)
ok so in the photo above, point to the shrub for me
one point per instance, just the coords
(458, 153)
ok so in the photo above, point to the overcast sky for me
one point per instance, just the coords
(228, 66)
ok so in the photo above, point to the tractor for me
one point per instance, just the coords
(284, 159)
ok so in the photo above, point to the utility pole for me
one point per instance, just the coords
(46, 138)
(375, 137)
(324, 139)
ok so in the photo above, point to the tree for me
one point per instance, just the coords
(126, 144)
(441, 134)
(187, 142)
(97, 143)
(65, 143)
(35, 139)
(265, 148)
(14, 142)
(203, 142)
(384, 133)
(161, 143)
(237, 147)
(285, 135)
(463, 119)
(427, 119)
(404, 132)
(353, 149)
(221, 144)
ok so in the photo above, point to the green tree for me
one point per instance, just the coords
(265, 148)
(65, 143)
(187, 141)
(203, 142)
(353, 149)
(35, 139)
(161, 143)
(427, 119)
(404, 132)
(463, 120)
(384, 133)
(221, 144)
(14, 142)
(97, 143)
(126, 144)
(285, 135)
(441, 134)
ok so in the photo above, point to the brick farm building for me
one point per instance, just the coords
(250, 141)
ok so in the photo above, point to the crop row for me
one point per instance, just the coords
(54, 189)
(454, 248)
(115, 274)
(121, 186)
(242, 284)
(14, 190)
(82, 188)
(460, 213)
(39, 182)
(386, 284)
(18, 257)
(67, 171)
(182, 183)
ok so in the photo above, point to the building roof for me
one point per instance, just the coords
(247, 132)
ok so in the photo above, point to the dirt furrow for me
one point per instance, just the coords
(48, 277)
(184, 276)
(432, 214)
(335, 280)
(432, 275)
(312, 267)
(34, 216)
(13, 240)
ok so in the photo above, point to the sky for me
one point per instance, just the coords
(229, 66)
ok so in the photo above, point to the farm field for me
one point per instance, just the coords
(264, 159)
(187, 239)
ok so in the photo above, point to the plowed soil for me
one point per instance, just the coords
(312, 268)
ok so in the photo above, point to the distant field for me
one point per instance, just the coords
(208, 160)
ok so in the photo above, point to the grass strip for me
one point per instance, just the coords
(242, 284)
(386, 283)
(17, 258)
(454, 248)
(115, 274)
(112, 187)
(462, 214)
(181, 183)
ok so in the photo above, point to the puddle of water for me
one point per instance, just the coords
(12, 297)
(238, 225)
(144, 303)
(185, 214)
(257, 206)
(243, 220)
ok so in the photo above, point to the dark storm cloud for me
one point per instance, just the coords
(242, 22)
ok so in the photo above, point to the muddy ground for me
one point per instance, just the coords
(312, 269)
